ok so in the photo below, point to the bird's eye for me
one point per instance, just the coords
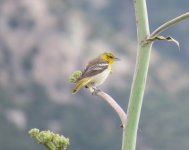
(110, 56)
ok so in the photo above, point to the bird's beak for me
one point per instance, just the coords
(116, 59)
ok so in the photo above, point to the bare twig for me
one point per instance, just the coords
(168, 24)
(114, 105)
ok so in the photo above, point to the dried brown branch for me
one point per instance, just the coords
(168, 24)
(122, 115)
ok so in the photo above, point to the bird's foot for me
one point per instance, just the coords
(96, 90)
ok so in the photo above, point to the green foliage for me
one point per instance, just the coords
(49, 139)
(75, 76)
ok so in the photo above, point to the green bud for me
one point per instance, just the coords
(75, 76)
(45, 136)
(49, 139)
(60, 141)
(34, 132)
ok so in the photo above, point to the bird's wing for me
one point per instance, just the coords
(94, 67)
(81, 83)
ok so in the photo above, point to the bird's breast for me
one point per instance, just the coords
(100, 78)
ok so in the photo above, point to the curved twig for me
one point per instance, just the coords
(168, 24)
(122, 115)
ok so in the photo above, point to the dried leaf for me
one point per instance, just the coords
(169, 38)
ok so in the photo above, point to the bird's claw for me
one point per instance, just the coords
(96, 90)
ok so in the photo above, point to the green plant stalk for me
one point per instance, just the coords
(50, 146)
(140, 75)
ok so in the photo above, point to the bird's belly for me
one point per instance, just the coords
(100, 78)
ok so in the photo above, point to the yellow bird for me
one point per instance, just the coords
(95, 72)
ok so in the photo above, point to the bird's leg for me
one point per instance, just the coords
(95, 90)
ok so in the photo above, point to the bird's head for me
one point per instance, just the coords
(109, 57)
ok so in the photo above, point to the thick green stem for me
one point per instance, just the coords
(141, 69)
(50, 146)
(140, 75)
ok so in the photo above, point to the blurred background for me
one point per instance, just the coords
(43, 41)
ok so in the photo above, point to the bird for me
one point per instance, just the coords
(96, 72)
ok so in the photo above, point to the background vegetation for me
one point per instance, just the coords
(42, 42)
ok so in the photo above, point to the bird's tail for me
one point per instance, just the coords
(81, 83)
